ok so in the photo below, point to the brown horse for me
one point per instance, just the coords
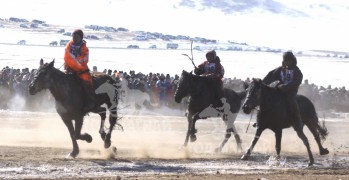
(70, 99)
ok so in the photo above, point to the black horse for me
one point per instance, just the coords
(203, 103)
(273, 115)
(69, 95)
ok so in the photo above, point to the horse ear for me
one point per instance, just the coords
(41, 62)
(51, 64)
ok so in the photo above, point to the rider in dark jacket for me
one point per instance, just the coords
(290, 77)
(213, 69)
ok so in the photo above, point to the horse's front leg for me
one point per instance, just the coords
(101, 111)
(68, 122)
(247, 155)
(78, 125)
(190, 127)
(193, 130)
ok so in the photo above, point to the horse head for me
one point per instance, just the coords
(253, 96)
(41, 78)
(183, 86)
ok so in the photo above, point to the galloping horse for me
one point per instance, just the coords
(274, 115)
(69, 100)
(203, 103)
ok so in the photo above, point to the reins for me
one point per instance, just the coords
(250, 118)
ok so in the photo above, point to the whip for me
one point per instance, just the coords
(191, 58)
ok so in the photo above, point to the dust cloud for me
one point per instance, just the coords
(153, 136)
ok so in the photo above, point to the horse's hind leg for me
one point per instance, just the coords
(78, 125)
(254, 141)
(313, 130)
(68, 122)
(301, 135)
(230, 129)
(112, 122)
(102, 113)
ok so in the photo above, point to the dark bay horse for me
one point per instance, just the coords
(203, 103)
(273, 115)
(69, 100)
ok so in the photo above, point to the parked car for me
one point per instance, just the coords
(67, 34)
(63, 42)
(21, 42)
(53, 43)
(108, 37)
(61, 31)
(197, 48)
(153, 46)
(94, 37)
(172, 46)
(23, 26)
(132, 47)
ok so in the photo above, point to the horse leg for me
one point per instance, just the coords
(254, 141)
(230, 129)
(278, 136)
(68, 122)
(193, 131)
(190, 122)
(313, 130)
(78, 125)
(302, 136)
(102, 113)
(112, 122)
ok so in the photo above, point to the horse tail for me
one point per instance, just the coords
(322, 129)
(311, 117)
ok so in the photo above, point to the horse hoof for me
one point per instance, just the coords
(245, 157)
(107, 144)
(71, 155)
(88, 138)
(193, 138)
(324, 151)
(103, 135)
(310, 164)
(114, 149)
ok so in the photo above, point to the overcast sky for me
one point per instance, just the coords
(325, 27)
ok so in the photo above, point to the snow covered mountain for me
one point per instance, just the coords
(288, 24)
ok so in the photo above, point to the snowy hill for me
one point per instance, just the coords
(278, 24)
(39, 33)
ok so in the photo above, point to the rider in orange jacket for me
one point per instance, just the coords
(76, 58)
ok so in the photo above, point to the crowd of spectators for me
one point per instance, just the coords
(160, 87)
